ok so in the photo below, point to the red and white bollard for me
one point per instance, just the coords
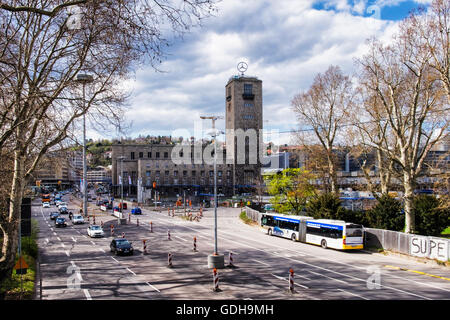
(201, 212)
(173, 212)
(129, 218)
(195, 244)
(145, 246)
(137, 222)
(89, 219)
(169, 260)
(151, 226)
(230, 264)
(93, 219)
(112, 231)
(101, 223)
(123, 234)
(291, 280)
(168, 234)
(215, 280)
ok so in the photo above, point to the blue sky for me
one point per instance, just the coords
(285, 44)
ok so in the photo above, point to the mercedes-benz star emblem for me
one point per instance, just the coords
(242, 67)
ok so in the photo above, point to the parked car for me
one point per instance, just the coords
(77, 219)
(95, 231)
(54, 215)
(45, 204)
(60, 222)
(121, 246)
(136, 210)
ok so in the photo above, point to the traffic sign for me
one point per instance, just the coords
(21, 266)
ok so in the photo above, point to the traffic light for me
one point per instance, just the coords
(154, 185)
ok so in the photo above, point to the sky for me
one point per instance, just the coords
(285, 44)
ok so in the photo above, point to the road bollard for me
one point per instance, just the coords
(168, 212)
(89, 219)
(93, 219)
(112, 230)
(123, 234)
(195, 244)
(101, 224)
(168, 234)
(291, 281)
(137, 222)
(151, 226)
(145, 246)
(129, 218)
(230, 264)
(201, 212)
(215, 280)
(173, 212)
(169, 260)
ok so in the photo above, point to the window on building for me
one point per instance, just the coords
(166, 155)
(211, 173)
(157, 155)
(219, 173)
(132, 155)
(248, 117)
(184, 173)
(166, 173)
(141, 155)
(149, 155)
(202, 173)
(193, 173)
(248, 105)
(158, 173)
(248, 88)
(147, 173)
(228, 173)
(175, 173)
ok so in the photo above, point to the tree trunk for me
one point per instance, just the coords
(408, 184)
(11, 236)
(332, 173)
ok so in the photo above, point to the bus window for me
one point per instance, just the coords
(353, 232)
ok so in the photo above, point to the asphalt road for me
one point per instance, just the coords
(74, 266)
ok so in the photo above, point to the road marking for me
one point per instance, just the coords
(153, 287)
(74, 240)
(131, 271)
(67, 253)
(93, 243)
(101, 249)
(266, 264)
(353, 294)
(54, 233)
(46, 240)
(62, 245)
(418, 272)
(322, 275)
(115, 259)
(59, 239)
(181, 238)
(86, 293)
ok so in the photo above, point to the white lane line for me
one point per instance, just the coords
(67, 253)
(353, 294)
(153, 287)
(86, 293)
(102, 250)
(74, 240)
(115, 259)
(93, 243)
(59, 239)
(322, 275)
(62, 245)
(181, 238)
(46, 240)
(282, 278)
(131, 271)
(266, 264)
(54, 233)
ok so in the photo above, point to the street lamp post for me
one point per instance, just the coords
(84, 79)
(215, 260)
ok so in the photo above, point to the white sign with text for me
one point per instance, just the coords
(428, 247)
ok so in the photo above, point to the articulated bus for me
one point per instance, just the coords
(335, 234)
(46, 197)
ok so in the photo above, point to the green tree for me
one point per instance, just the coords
(326, 206)
(291, 190)
(387, 214)
(432, 216)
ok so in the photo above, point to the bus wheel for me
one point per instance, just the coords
(323, 244)
(269, 232)
(294, 237)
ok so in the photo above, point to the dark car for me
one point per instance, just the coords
(54, 215)
(63, 210)
(60, 222)
(121, 246)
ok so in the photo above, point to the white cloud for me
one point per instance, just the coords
(286, 43)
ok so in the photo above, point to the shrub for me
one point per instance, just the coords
(387, 214)
(325, 206)
(431, 215)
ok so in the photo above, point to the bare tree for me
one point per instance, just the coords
(40, 56)
(324, 108)
(411, 106)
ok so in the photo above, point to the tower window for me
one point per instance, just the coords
(248, 105)
(248, 88)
